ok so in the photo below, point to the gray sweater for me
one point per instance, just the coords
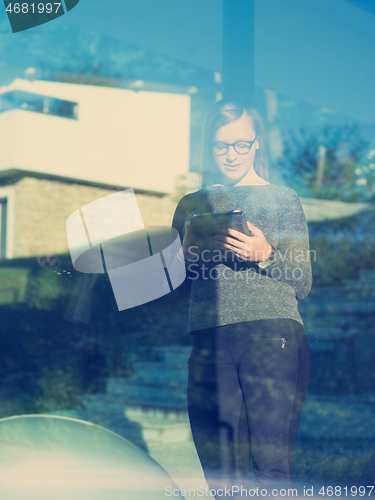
(234, 291)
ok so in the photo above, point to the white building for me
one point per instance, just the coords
(64, 145)
(114, 136)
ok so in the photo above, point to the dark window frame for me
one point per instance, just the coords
(3, 227)
(37, 103)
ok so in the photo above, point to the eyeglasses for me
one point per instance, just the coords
(241, 147)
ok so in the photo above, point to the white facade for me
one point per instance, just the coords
(121, 137)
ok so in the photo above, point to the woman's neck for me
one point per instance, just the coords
(250, 179)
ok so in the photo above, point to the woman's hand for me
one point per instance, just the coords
(189, 245)
(253, 248)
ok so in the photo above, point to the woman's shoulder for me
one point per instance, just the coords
(189, 201)
(284, 191)
(190, 197)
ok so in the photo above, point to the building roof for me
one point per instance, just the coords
(13, 175)
(317, 210)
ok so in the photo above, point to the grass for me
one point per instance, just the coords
(335, 461)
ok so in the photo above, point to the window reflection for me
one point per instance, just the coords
(28, 101)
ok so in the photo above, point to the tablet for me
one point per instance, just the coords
(205, 226)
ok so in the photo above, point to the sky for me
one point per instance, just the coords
(316, 51)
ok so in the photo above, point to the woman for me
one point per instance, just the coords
(250, 363)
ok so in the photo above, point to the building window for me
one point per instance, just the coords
(18, 99)
(3, 227)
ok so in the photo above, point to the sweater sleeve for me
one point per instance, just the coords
(292, 264)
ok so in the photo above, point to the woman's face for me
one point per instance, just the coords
(233, 165)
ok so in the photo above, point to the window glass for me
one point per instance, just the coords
(102, 113)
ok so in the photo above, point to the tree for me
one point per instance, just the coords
(330, 163)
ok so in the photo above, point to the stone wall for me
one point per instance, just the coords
(42, 206)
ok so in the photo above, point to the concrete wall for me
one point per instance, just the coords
(41, 208)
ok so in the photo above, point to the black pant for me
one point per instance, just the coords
(247, 383)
